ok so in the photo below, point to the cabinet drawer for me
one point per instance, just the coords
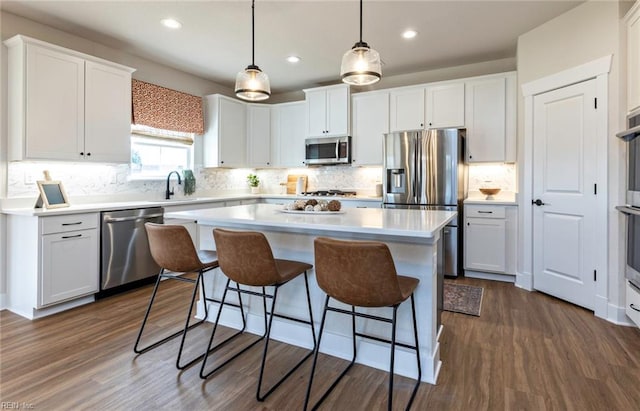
(72, 222)
(632, 307)
(482, 211)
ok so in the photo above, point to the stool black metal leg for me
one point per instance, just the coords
(393, 351)
(315, 354)
(266, 343)
(146, 316)
(315, 357)
(213, 332)
(187, 327)
(415, 336)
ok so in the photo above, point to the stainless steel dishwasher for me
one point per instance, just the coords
(125, 256)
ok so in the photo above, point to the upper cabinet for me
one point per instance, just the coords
(258, 135)
(370, 122)
(225, 137)
(633, 58)
(288, 132)
(328, 110)
(434, 106)
(445, 106)
(491, 118)
(406, 109)
(65, 105)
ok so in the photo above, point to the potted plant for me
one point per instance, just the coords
(254, 182)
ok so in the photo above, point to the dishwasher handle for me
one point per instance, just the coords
(110, 220)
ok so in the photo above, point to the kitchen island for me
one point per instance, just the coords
(412, 237)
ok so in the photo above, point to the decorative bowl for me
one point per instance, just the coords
(489, 191)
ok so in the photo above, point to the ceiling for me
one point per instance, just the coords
(215, 39)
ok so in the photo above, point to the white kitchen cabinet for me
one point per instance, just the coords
(65, 105)
(107, 97)
(632, 307)
(328, 111)
(52, 261)
(225, 138)
(491, 118)
(406, 109)
(633, 58)
(258, 135)
(288, 132)
(370, 122)
(445, 106)
(489, 238)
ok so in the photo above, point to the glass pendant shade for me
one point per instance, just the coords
(252, 84)
(361, 66)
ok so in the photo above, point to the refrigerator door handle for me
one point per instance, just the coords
(417, 170)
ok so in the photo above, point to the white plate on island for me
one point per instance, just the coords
(310, 212)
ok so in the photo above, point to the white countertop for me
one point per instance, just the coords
(379, 222)
(502, 198)
(141, 203)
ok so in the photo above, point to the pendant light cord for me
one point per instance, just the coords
(360, 21)
(253, 35)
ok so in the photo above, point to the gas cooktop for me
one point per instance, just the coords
(330, 193)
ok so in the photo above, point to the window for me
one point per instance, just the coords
(154, 152)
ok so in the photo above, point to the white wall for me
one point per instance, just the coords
(583, 34)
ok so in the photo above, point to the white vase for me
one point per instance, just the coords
(255, 190)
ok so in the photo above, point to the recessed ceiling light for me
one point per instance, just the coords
(171, 23)
(293, 59)
(409, 34)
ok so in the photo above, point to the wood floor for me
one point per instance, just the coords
(527, 351)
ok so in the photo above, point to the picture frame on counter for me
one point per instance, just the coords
(52, 195)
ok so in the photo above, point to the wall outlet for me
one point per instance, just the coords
(29, 177)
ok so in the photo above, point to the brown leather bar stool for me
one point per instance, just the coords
(246, 258)
(173, 250)
(362, 274)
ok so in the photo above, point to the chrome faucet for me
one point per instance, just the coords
(169, 193)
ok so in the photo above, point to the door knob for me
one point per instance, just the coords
(537, 202)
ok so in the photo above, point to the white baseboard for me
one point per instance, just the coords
(32, 314)
(616, 314)
(524, 281)
(490, 276)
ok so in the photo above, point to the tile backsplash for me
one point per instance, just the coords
(81, 179)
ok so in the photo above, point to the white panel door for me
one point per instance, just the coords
(564, 177)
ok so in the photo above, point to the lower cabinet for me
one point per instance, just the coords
(632, 308)
(490, 238)
(51, 260)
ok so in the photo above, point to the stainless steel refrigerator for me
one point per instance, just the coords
(425, 169)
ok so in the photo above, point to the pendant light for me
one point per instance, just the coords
(361, 65)
(251, 83)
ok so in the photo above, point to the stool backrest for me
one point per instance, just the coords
(360, 273)
(172, 248)
(245, 257)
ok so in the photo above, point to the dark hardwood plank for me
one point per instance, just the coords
(527, 351)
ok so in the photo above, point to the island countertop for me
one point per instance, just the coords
(414, 224)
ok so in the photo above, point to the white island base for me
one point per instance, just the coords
(412, 237)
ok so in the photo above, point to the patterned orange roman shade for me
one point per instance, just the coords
(166, 109)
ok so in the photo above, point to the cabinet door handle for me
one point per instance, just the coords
(485, 212)
(71, 236)
(633, 307)
(76, 223)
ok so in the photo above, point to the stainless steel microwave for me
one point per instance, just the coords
(328, 150)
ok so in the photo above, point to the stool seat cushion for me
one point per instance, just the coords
(288, 269)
